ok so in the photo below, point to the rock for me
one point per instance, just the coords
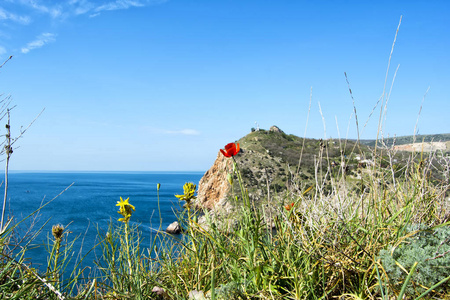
(174, 228)
(160, 292)
(275, 129)
(214, 187)
(196, 295)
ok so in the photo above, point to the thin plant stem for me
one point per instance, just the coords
(384, 86)
(418, 116)
(8, 151)
(304, 135)
(127, 244)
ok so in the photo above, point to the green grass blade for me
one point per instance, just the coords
(407, 280)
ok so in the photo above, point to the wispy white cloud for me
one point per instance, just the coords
(64, 9)
(81, 10)
(81, 7)
(54, 12)
(5, 15)
(183, 132)
(119, 4)
(58, 11)
(115, 5)
(41, 40)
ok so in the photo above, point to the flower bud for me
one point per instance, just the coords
(230, 178)
(57, 231)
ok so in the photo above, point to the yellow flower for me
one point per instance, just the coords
(125, 209)
(189, 191)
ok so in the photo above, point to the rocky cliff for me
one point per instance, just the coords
(213, 188)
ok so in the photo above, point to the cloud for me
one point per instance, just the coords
(53, 11)
(125, 4)
(119, 4)
(2, 51)
(183, 132)
(58, 11)
(64, 9)
(41, 40)
(81, 7)
(5, 15)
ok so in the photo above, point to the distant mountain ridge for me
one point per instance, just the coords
(409, 139)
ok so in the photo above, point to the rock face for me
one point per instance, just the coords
(214, 187)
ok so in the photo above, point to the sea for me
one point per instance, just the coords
(85, 203)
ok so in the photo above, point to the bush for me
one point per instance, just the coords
(431, 249)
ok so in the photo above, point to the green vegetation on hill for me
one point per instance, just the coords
(279, 159)
(273, 162)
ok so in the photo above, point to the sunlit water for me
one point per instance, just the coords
(89, 204)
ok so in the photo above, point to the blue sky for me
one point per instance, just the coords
(162, 85)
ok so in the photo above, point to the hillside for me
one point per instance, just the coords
(274, 164)
(284, 161)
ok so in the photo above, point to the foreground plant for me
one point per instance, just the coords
(125, 209)
(188, 194)
(126, 272)
(53, 268)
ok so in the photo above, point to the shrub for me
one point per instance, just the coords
(431, 249)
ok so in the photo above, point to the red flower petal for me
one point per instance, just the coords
(229, 146)
(231, 149)
(225, 153)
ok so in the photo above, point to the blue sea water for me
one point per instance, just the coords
(89, 203)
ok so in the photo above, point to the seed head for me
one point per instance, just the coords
(57, 231)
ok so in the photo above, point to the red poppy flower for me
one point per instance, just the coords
(231, 149)
(289, 206)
